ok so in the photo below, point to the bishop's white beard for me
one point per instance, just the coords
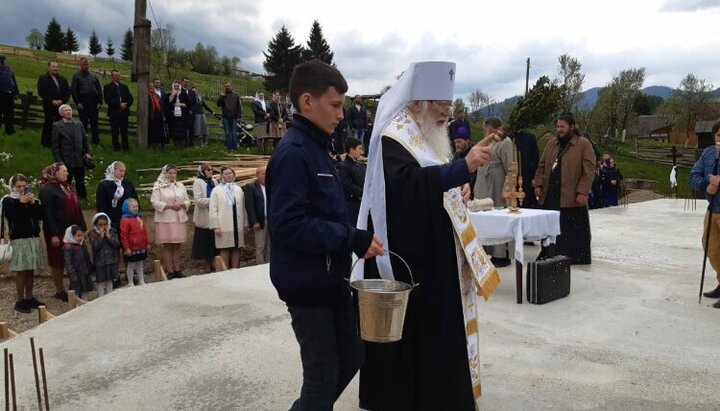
(436, 136)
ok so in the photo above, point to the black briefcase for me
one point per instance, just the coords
(548, 279)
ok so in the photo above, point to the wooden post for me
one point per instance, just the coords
(159, 272)
(44, 315)
(73, 300)
(220, 264)
(141, 69)
(6, 332)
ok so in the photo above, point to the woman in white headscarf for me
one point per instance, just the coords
(203, 247)
(228, 217)
(262, 116)
(170, 200)
(21, 215)
(113, 191)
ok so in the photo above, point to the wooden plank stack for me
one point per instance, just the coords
(245, 166)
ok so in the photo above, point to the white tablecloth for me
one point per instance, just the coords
(499, 227)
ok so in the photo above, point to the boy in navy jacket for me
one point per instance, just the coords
(311, 240)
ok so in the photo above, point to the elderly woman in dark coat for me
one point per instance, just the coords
(70, 146)
(113, 191)
(61, 209)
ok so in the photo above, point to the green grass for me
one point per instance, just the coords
(28, 69)
(28, 157)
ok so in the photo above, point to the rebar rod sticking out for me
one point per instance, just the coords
(35, 370)
(44, 379)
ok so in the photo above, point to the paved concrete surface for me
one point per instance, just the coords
(631, 336)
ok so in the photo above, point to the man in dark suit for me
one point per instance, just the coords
(352, 176)
(88, 96)
(54, 91)
(358, 119)
(8, 93)
(256, 211)
(119, 100)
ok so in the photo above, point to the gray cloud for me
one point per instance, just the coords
(236, 29)
(688, 5)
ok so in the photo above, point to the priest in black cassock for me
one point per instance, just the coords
(409, 169)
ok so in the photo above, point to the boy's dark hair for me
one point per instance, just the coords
(493, 122)
(315, 77)
(75, 228)
(715, 128)
(352, 143)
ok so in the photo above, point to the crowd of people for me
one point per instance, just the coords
(119, 234)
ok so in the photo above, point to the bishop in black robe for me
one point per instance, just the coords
(428, 368)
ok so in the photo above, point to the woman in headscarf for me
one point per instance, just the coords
(77, 261)
(610, 182)
(228, 218)
(278, 116)
(170, 200)
(113, 191)
(21, 214)
(61, 209)
(178, 116)
(156, 120)
(262, 117)
(203, 239)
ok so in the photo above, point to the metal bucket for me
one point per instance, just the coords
(382, 305)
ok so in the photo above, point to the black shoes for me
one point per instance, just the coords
(717, 304)
(500, 262)
(713, 294)
(179, 274)
(34, 303)
(22, 306)
(61, 296)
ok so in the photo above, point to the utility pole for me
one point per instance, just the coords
(141, 69)
(527, 76)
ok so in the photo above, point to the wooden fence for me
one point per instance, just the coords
(663, 155)
(29, 115)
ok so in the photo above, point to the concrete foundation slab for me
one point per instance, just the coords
(630, 335)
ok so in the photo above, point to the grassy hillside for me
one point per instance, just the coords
(28, 69)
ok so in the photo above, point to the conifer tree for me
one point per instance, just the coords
(94, 47)
(127, 46)
(71, 43)
(54, 37)
(281, 57)
(317, 46)
(109, 49)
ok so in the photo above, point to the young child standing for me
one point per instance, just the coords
(105, 243)
(134, 240)
(77, 262)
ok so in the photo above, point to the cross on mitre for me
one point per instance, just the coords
(452, 74)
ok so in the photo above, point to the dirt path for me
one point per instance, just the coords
(44, 289)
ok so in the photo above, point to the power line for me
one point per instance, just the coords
(152, 10)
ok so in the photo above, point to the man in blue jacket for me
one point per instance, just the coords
(311, 240)
(704, 176)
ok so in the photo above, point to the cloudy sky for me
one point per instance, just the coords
(375, 40)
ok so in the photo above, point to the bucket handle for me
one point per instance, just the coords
(412, 280)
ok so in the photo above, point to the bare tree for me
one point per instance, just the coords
(572, 78)
(614, 108)
(459, 105)
(479, 100)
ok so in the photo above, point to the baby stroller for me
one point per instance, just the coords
(244, 134)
